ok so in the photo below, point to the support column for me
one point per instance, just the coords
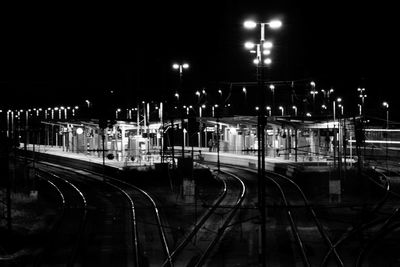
(123, 141)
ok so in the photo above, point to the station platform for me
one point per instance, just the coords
(200, 154)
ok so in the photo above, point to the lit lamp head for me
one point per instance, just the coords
(79, 130)
(249, 24)
(385, 104)
(275, 24)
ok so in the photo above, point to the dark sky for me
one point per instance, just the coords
(66, 53)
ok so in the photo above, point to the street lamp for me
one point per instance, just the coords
(295, 110)
(386, 105)
(73, 110)
(116, 113)
(272, 87)
(198, 95)
(282, 109)
(334, 107)
(180, 67)
(65, 112)
(263, 45)
(341, 109)
(269, 110)
(313, 92)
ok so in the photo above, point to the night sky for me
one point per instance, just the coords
(64, 54)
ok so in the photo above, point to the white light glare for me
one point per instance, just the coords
(267, 61)
(185, 66)
(249, 45)
(267, 52)
(267, 45)
(275, 24)
(249, 24)
(175, 66)
(256, 61)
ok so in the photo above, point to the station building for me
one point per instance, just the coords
(285, 137)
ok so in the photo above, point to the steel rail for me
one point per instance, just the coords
(222, 229)
(199, 224)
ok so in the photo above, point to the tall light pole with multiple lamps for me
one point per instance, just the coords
(362, 95)
(180, 68)
(263, 48)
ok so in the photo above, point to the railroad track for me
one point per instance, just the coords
(143, 245)
(206, 232)
(69, 226)
(304, 223)
(199, 244)
(383, 221)
(307, 231)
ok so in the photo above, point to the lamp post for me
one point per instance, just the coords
(282, 109)
(334, 107)
(295, 110)
(341, 109)
(180, 68)
(268, 108)
(59, 112)
(386, 105)
(200, 123)
(324, 108)
(313, 92)
(274, 24)
(272, 87)
(117, 111)
(73, 110)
